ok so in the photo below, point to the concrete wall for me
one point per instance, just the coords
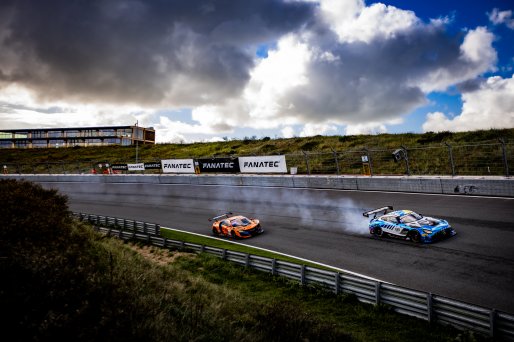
(478, 186)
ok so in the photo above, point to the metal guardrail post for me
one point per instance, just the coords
(247, 260)
(224, 254)
(492, 322)
(302, 275)
(273, 266)
(337, 283)
(430, 310)
(377, 292)
(450, 154)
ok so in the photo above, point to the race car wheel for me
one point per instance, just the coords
(415, 237)
(233, 235)
(215, 232)
(378, 231)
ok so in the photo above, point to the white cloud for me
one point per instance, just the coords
(311, 129)
(477, 55)
(288, 132)
(490, 106)
(498, 17)
(366, 128)
(353, 21)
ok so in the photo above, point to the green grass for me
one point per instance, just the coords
(219, 243)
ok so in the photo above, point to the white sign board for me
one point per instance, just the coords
(136, 167)
(178, 166)
(266, 164)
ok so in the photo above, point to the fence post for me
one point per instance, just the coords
(337, 283)
(273, 266)
(370, 162)
(450, 153)
(406, 159)
(336, 160)
(504, 154)
(47, 167)
(306, 156)
(63, 170)
(430, 311)
(247, 260)
(492, 322)
(377, 292)
(302, 275)
(224, 254)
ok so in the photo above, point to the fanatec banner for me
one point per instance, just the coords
(264, 164)
(178, 166)
(119, 167)
(227, 165)
(136, 167)
(153, 166)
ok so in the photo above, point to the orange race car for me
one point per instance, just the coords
(235, 226)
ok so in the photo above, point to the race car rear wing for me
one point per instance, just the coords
(383, 210)
(217, 218)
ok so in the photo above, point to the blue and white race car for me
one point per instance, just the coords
(407, 224)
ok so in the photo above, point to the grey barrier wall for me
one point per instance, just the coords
(423, 305)
(479, 186)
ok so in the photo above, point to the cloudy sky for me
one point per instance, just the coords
(204, 70)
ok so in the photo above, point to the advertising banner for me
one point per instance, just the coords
(227, 165)
(136, 167)
(178, 166)
(119, 167)
(264, 164)
(153, 166)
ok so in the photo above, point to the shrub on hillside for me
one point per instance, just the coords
(50, 285)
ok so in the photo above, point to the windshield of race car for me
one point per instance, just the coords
(411, 217)
(243, 221)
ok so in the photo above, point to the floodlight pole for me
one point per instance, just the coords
(136, 137)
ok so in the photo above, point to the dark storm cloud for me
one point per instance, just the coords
(377, 80)
(471, 85)
(148, 52)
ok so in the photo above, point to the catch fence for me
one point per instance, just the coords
(480, 159)
(423, 305)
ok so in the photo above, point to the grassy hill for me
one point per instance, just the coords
(476, 152)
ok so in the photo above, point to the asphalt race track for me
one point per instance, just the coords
(476, 265)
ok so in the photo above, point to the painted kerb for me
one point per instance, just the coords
(423, 305)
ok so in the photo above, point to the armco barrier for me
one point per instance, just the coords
(426, 306)
(477, 186)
